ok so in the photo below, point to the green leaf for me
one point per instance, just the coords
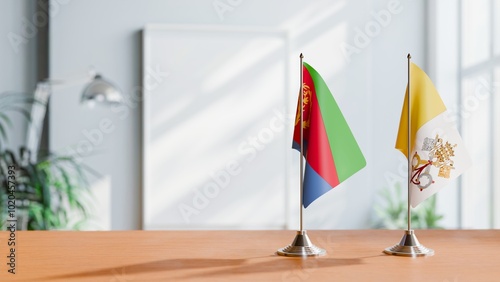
(3, 133)
(57, 186)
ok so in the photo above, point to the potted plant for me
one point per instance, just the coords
(49, 193)
(392, 213)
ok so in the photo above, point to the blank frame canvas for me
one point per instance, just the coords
(216, 128)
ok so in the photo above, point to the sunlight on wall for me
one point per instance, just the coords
(101, 212)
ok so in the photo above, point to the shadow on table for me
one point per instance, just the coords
(122, 272)
(224, 267)
(289, 267)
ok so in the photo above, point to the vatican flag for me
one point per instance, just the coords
(437, 150)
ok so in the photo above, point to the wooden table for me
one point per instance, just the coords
(247, 256)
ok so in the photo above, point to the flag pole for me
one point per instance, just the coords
(301, 245)
(409, 246)
(302, 155)
(408, 149)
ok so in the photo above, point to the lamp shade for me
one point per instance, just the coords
(101, 90)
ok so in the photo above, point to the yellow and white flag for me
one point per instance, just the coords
(437, 150)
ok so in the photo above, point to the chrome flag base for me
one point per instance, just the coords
(301, 247)
(409, 247)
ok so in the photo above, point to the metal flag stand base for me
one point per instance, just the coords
(409, 247)
(301, 247)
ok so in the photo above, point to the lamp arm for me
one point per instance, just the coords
(61, 83)
(38, 111)
(98, 88)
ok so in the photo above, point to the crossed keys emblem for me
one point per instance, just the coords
(440, 154)
(421, 175)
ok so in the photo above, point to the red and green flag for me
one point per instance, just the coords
(331, 152)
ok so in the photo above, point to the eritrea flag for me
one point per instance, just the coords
(332, 154)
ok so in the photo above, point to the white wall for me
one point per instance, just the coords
(444, 68)
(17, 57)
(368, 87)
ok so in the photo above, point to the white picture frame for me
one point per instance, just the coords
(208, 93)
